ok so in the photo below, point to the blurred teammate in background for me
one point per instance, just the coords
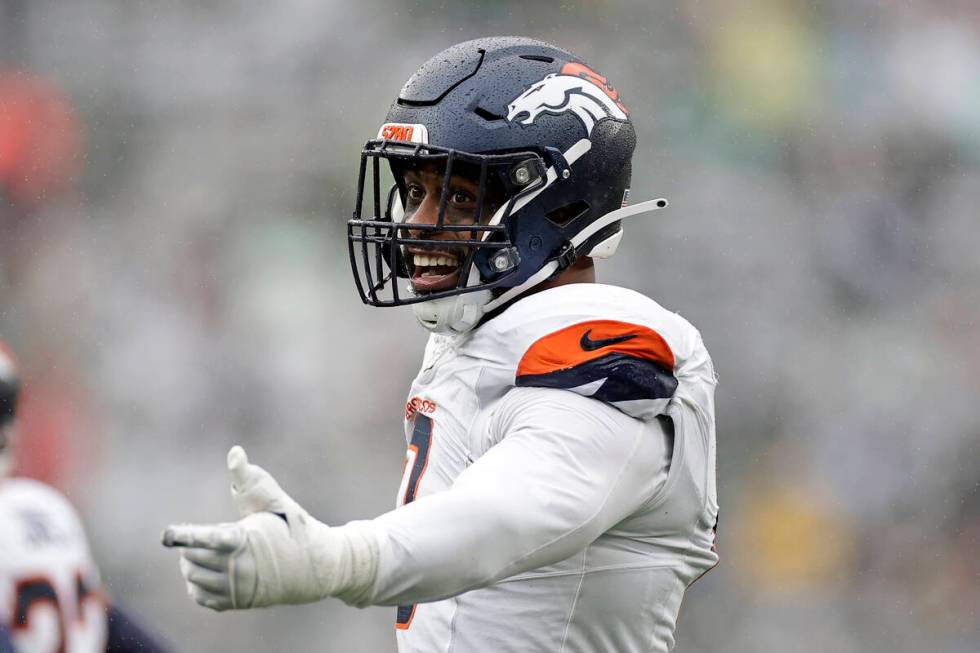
(51, 598)
(43, 220)
(559, 489)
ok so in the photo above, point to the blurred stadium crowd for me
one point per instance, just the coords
(173, 275)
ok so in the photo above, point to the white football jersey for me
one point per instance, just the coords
(547, 504)
(50, 595)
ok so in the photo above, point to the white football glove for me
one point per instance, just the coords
(277, 553)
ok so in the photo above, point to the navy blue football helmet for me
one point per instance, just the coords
(546, 143)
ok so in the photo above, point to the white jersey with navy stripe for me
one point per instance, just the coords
(50, 593)
(548, 503)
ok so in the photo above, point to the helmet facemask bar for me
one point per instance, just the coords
(381, 247)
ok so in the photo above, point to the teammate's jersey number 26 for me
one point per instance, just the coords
(35, 632)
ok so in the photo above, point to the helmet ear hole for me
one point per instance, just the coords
(563, 215)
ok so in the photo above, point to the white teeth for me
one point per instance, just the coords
(424, 260)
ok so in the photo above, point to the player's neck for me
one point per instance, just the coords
(582, 272)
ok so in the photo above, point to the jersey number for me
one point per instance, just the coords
(38, 590)
(416, 460)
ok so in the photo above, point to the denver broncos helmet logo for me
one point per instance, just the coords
(576, 88)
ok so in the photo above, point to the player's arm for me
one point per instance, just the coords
(567, 469)
(276, 554)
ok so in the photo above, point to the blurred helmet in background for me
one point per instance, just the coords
(546, 143)
(40, 140)
(9, 391)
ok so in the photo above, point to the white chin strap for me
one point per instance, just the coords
(460, 313)
(453, 315)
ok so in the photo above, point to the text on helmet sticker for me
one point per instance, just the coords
(577, 88)
(396, 131)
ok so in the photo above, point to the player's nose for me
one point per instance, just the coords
(426, 213)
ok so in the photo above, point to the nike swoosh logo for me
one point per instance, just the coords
(588, 344)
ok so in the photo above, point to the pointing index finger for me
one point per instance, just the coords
(217, 537)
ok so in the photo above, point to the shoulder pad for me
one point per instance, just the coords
(603, 342)
(619, 361)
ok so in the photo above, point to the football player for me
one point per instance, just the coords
(559, 486)
(51, 598)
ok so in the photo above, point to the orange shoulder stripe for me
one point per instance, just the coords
(585, 341)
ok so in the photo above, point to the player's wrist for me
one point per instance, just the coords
(344, 561)
(307, 561)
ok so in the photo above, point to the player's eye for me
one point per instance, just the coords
(415, 193)
(461, 198)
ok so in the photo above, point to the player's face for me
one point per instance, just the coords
(437, 266)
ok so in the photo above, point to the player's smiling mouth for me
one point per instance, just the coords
(432, 270)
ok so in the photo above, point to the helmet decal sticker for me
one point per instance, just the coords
(394, 131)
(576, 88)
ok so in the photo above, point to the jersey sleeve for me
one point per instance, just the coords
(566, 469)
(627, 365)
(611, 344)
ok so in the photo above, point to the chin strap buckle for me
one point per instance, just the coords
(566, 257)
